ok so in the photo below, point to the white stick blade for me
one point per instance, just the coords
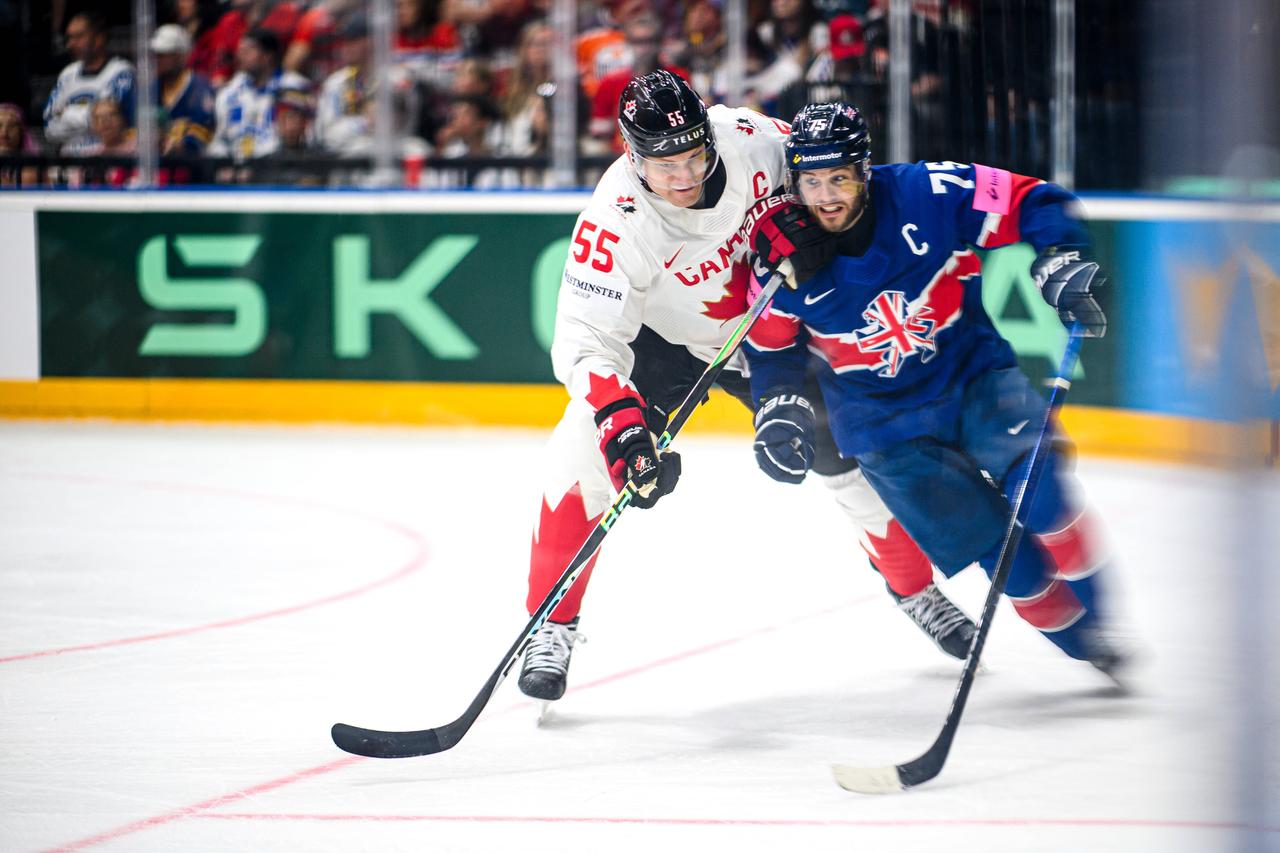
(868, 780)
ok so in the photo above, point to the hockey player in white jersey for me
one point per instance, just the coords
(656, 280)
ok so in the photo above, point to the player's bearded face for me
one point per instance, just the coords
(834, 196)
(677, 179)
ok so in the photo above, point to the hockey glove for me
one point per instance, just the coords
(783, 234)
(630, 454)
(1069, 280)
(785, 427)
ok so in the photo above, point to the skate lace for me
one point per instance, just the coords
(550, 648)
(933, 612)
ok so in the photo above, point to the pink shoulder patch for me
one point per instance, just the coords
(992, 190)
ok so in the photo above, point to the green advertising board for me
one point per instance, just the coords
(459, 297)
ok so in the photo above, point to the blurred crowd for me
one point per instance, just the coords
(257, 82)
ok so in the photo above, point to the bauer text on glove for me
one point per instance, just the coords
(1069, 279)
(784, 445)
(782, 232)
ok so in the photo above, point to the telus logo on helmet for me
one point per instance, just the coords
(693, 136)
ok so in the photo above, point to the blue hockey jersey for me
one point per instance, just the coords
(901, 330)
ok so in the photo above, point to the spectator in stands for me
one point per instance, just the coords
(838, 73)
(198, 18)
(472, 79)
(794, 34)
(287, 166)
(93, 75)
(343, 113)
(600, 49)
(524, 105)
(430, 51)
(278, 17)
(472, 130)
(111, 129)
(16, 140)
(185, 98)
(295, 109)
(701, 49)
(245, 127)
(429, 48)
(313, 51)
(346, 114)
(497, 33)
(643, 32)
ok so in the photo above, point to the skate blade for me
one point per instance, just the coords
(546, 713)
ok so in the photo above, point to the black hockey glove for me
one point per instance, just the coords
(1069, 280)
(785, 427)
(630, 454)
(783, 235)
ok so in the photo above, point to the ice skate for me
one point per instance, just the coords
(546, 660)
(941, 620)
(1112, 659)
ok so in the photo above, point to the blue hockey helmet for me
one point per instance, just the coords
(828, 135)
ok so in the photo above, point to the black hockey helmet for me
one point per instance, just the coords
(660, 115)
(827, 135)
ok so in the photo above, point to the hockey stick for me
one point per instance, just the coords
(896, 778)
(380, 744)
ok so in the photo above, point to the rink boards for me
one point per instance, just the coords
(439, 308)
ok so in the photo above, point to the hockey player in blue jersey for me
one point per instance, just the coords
(920, 387)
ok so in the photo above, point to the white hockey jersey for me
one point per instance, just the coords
(246, 115)
(67, 112)
(638, 260)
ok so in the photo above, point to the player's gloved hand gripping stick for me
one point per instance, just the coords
(381, 744)
(892, 779)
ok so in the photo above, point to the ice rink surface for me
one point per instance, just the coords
(187, 610)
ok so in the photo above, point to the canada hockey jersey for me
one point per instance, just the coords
(902, 329)
(634, 259)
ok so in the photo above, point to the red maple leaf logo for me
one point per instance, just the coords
(604, 390)
(733, 304)
(745, 126)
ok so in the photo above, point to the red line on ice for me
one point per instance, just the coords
(412, 565)
(188, 811)
(201, 809)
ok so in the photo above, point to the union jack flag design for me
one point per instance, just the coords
(897, 328)
(894, 332)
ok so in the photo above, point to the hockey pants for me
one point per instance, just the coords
(938, 487)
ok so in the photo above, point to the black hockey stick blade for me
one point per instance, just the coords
(384, 744)
(896, 778)
(373, 743)
(378, 744)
